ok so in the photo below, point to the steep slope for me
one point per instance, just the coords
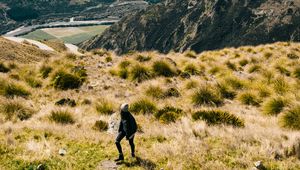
(203, 25)
(23, 53)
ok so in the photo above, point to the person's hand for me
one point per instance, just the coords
(131, 136)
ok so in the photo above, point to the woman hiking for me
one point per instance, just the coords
(127, 128)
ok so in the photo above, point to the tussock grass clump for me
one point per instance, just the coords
(254, 68)
(191, 54)
(12, 89)
(14, 109)
(292, 56)
(162, 68)
(274, 106)
(81, 72)
(280, 85)
(243, 62)
(291, 118)
(124, 64)
(231, 65)
(123, 73)
(105, 107)
(143, 106)
(33, 82)
(62, 117)
(155, 92)
(191, 84)
(45, 71)
(215, 69)
(70, 56)
(296, 73)
(234, 82)
(108, 59)
(206, 95)
(100, 52)
(142, 58)
(215, 117)
(226, 91)
(191, 69)
(249, 98)
(282, 70)
(64, 81)
(172, 92)
(168, 114)
(267, 55)
(4, 68)
(100, 125)
(140, 73)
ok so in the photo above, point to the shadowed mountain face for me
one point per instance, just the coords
(203, 25)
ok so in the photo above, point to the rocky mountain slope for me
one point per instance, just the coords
(203, 25)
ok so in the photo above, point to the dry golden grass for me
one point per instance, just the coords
(182, 143)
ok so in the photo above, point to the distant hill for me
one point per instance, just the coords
(203, 25)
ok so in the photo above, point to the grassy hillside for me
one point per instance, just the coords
(221, 109)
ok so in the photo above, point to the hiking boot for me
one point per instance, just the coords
(121, 158)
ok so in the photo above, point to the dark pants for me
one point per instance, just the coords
(120, 136)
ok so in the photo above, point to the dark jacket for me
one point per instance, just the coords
(128, 124)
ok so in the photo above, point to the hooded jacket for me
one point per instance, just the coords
(127, 124)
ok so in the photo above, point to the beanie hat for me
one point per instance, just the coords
(124, 107)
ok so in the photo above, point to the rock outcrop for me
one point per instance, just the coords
(201, 25)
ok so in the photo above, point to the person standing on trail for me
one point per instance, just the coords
(127, 128)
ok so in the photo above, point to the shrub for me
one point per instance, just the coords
(3, 68)
(214, 117)
(64, 81)
(162, 68)
(274, 106)
(206, 95)
(104, 107)
(296, 72)
(15, 109)
(45, 71)
(142, 58)
(280, 85)
(155, 92)
(226, 91)
(140, 73)
(143, 106)
(32, 82)
(11, 89)
(191, 69)
(249, 98)
(191, 54)
(291, 118)
(168, 114)
(62, 117)
(100, 125)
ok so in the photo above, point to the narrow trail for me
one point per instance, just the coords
(34, 42)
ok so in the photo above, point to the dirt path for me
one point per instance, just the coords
(36, 43)
(107, 165)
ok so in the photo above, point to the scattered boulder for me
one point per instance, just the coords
(62, 152)
(259, 165)
(66, 102)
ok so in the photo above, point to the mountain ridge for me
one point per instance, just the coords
(203, 25)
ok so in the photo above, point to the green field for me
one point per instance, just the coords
(73, 35)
